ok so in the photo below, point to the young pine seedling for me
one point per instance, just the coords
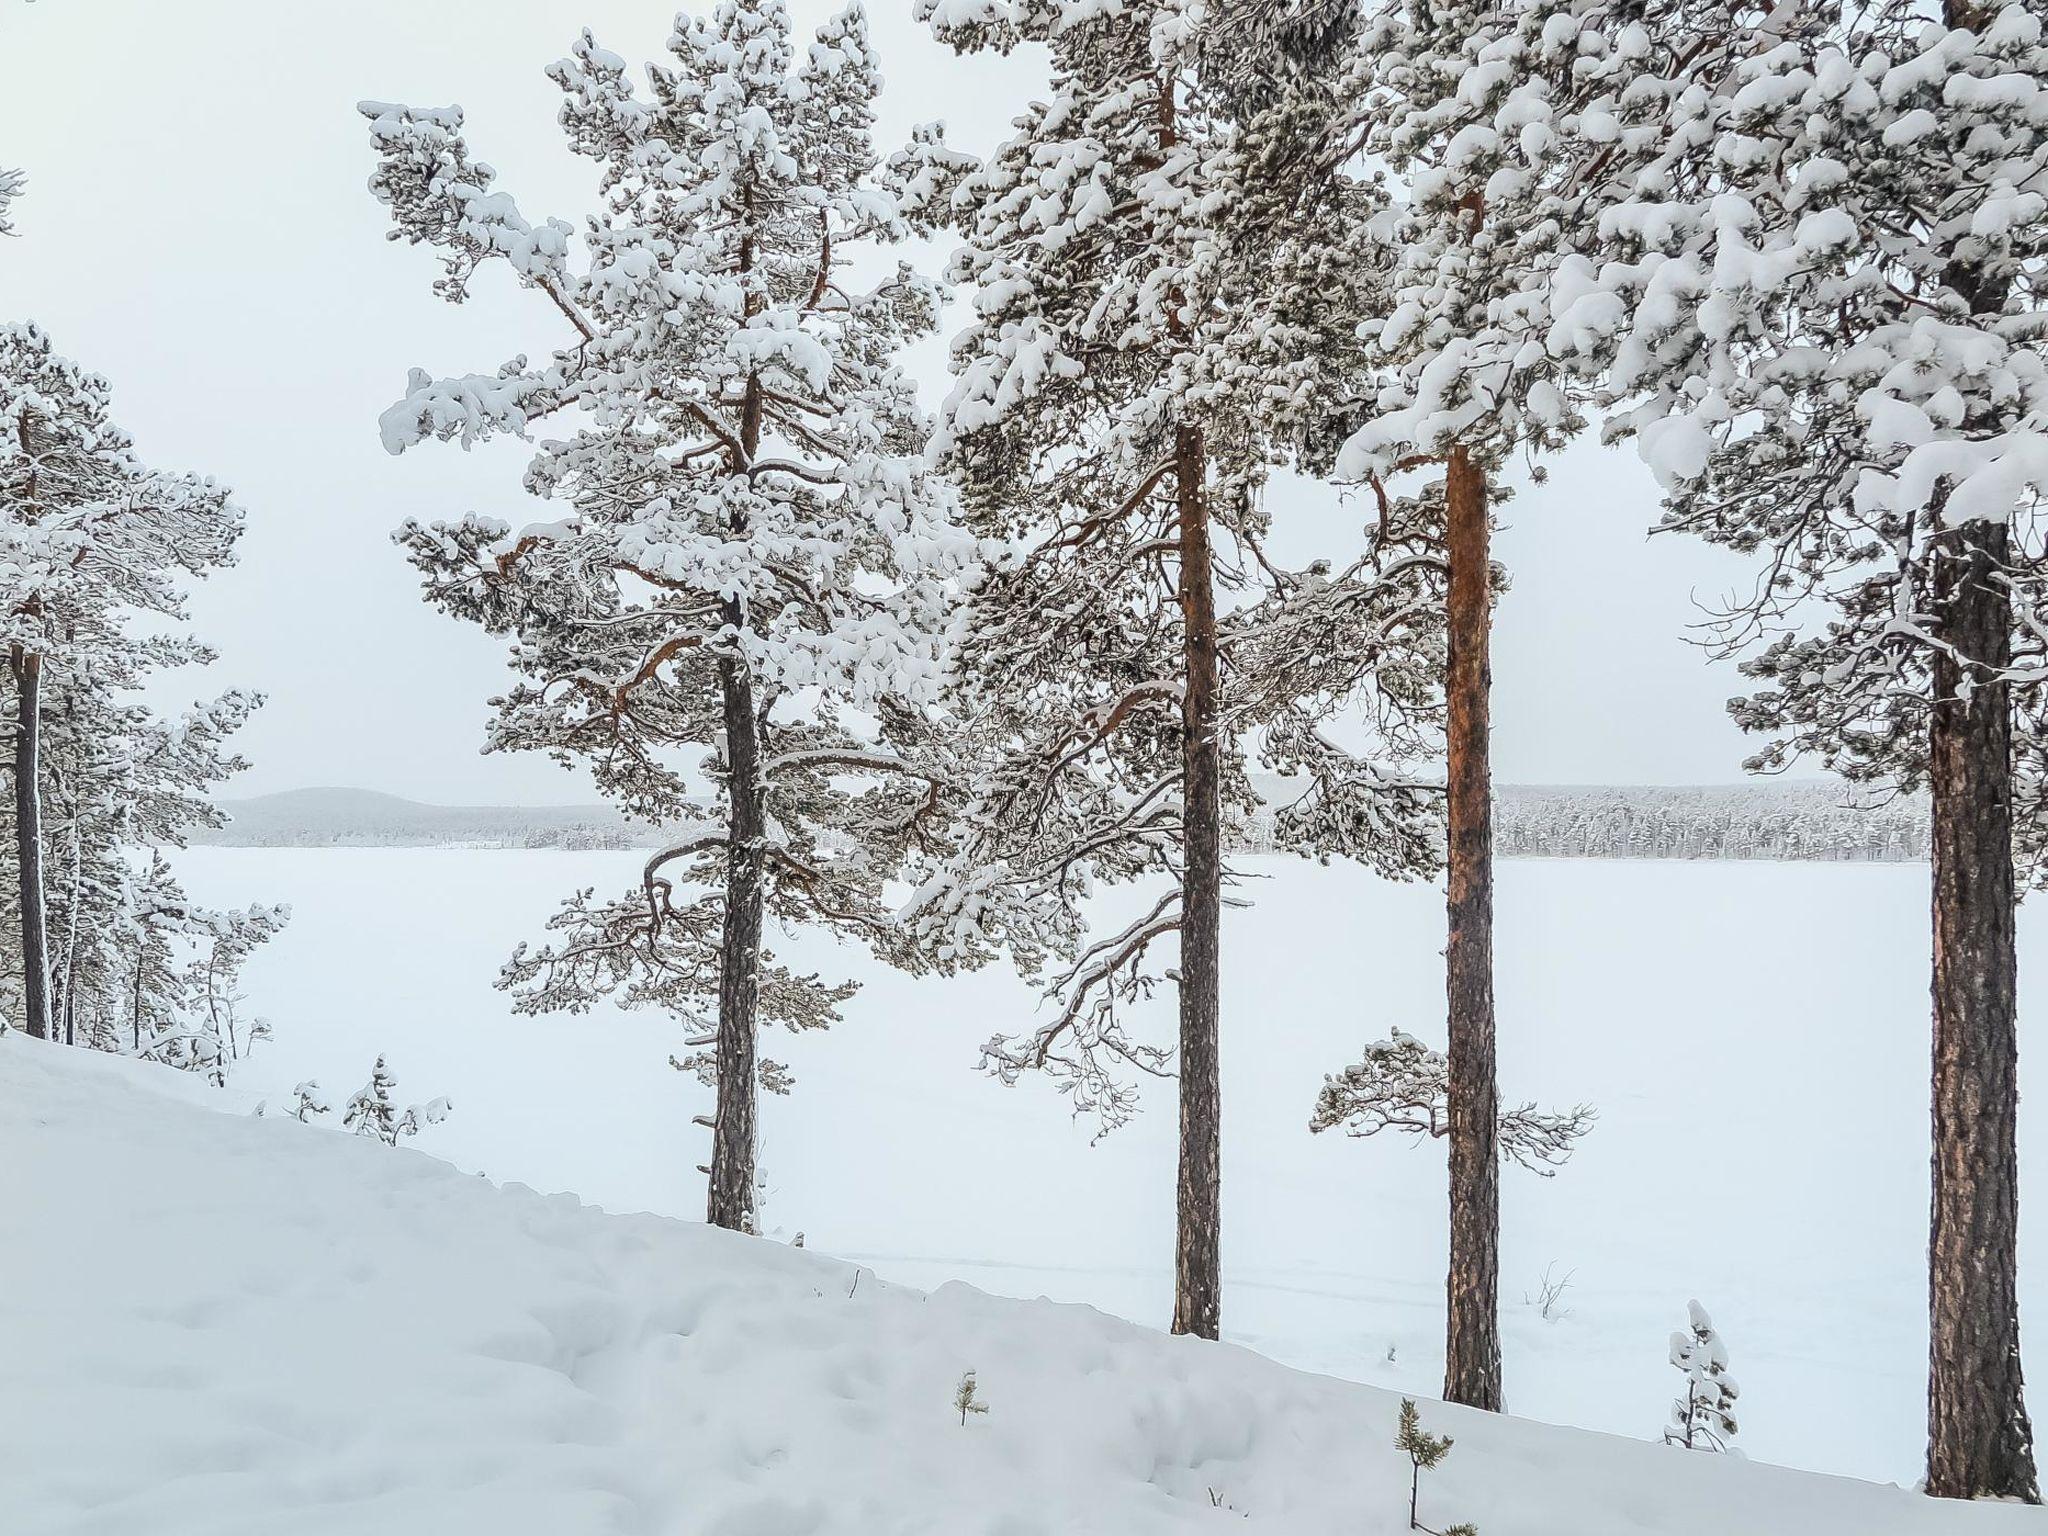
(1425, 1451)
(965, 1400)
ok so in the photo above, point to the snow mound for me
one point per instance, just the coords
(220, 1324)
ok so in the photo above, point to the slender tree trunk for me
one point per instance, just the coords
(28, 830)
(1198, 1274)
(1979, 1440)
(729, 1200)
(68, 1009)
(735, 1134)
(1472, 1285)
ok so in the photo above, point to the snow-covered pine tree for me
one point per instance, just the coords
(1106, 421)
(1401, 1084)
(369, 1111)
(1492, 120)
(12, 184)
(1703, 1414)
(94, 547)
(750, 557)
(1824, 308)
(308, 1100)
(965, 1398)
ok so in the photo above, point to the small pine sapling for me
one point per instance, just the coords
(964, 1397)
(371, 1113)
(1425, 1453)
(309, 1100)
(1402, 1084)
(1703, 1416)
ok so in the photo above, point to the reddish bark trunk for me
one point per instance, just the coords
(1472, 1284)
(1979, 1440)
(1198, 1274)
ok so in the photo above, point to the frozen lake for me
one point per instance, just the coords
(1753, 1035)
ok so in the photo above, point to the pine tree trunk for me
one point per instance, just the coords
(1979, 1440)
(729, 1195)
(729, 1200)
(1472, 1285)
(1198, 1274)
(28, 829)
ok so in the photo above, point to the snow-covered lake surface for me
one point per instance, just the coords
(1754, 1037)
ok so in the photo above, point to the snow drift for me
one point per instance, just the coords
(216, 1323)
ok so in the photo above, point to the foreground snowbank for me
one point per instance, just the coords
(218, 1324)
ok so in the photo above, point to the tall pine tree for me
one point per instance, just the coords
(1823, 308)
(1137, 649)
(750, 557)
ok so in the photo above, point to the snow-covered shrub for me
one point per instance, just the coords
(1548, 1297)
(308, 1099)
(1703, 1415)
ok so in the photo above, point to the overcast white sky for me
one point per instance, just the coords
(197, 229)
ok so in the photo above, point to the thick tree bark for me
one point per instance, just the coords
(28, 831)
(1197, 1268)
(1979, 1440)
(1472, 1284)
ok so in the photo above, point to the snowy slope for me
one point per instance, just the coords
(1754, 1036)
(217, 1324)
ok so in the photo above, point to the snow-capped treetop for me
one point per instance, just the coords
(731, 197)
(1847, 234)
(1501, 122)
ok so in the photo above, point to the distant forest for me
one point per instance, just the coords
(1770, 819)
(1778, 819)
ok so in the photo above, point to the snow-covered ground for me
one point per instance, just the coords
(218, 1325)
(1753, 1035)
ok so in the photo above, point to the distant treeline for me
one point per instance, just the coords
(1812, 822)
(1765, 821)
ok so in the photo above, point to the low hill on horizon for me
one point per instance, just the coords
(343, 817)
